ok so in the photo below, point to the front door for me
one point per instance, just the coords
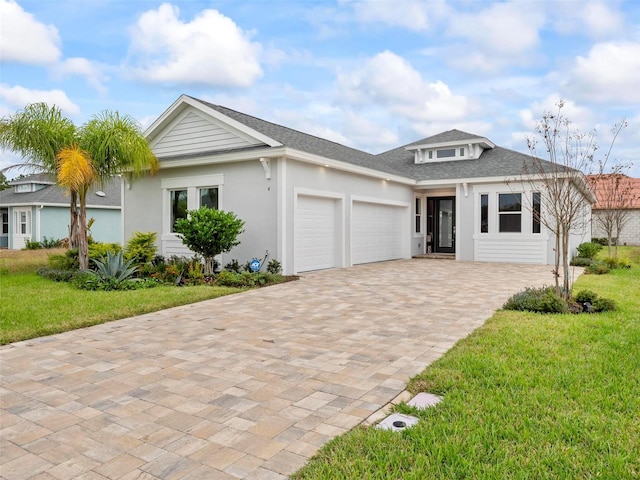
(444, 225)
(21, 227)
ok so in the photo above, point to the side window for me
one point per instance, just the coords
(484, 213)
(535, 203)
(418, 227)
(510, 212)
(178, 206)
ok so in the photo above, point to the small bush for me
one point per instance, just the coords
(233, 266)
(585, 296)
(67, 261)
(597, 268)
(57, 275)
(581, 261)
(51, 242)
(141, 247)
(603, 305)
(245, 279)
(614, 262)
(274, 267)
(29, 245)
(588, 249)
(99, 250)
(542, 300)
(603, 241)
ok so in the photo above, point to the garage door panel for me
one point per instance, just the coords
(315, 233)
(377, 232)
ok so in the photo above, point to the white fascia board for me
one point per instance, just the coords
(58, 205)
(484, 142)
(346, 167)
(278, 152)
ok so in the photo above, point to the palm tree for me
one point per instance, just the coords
(111, 143)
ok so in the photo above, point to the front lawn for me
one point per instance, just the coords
(525, 396)
(33, 306)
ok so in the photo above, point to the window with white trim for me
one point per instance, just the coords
(484, 213)
(536, 212)
(510, 212)
(418, 222)
(5, 222)
(208, 197)
(23, 222)
(178, 201)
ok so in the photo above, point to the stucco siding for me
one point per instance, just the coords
(193, 133)
(245, 191)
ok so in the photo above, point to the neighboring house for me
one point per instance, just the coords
(34, 207)
(313, 204)
(627, 198)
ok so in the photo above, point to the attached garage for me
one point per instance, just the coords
(318, 233)
(378, 232)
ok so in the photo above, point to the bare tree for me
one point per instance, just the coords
(614, 193)
(565, 197)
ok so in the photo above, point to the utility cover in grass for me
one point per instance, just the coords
(424, 400)
(397, 422)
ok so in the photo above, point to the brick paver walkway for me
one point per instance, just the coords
(245, 386)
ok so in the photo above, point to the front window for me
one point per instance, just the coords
(209, 197)
(536, 212)
(446, 153)
(484, 213)
(5, 222)
(510, 212)
(418, 215)
(178, 206)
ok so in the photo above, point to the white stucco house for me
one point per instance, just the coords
(34, 207)
(314, 204)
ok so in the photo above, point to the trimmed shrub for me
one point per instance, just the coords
(603, 241)
(597, 268)
(245, 279)
(56, 274)
(274, 267)
(581, 261)
(614, 262)
(141, 247)
(542, 300)
(101, 250)
(233, 266)
(29, 245)
(603, 305)
(585, 296)
(588, 249)
(66, 261)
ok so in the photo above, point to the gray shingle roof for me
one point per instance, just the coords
(52, 194)
(449, 136)
(494, 162)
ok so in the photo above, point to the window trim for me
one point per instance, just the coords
(509, 212)
(484, 213)
(418, 216)
(536, 211)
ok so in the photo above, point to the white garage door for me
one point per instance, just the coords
(377, 232)
(315, 233)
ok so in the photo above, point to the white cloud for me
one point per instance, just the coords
(209, 50)
(609, 73)
(595, 19)
(82, 67)
(25, 39)
(581, 117)
(501, 34)
(389, 81)
(410, 14)
(18, 96)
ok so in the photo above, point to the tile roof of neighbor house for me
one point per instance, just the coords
(494, 162)
(51, 194)
(628, 185)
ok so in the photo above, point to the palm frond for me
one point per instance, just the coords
(75, 169)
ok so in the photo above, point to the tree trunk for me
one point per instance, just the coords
(209, 265)
(556, 271)
(83, 244)
(73, 221)
(566, 287)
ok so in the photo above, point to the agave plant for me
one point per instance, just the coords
(113, 268)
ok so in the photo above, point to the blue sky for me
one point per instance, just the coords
(372, 74)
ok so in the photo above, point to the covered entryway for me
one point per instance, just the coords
(318, 233)
(378, 232)
(21, 227)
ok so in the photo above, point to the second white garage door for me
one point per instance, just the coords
(316, 233)
(378, 232)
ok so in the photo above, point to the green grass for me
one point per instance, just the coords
(527, 396)
(33, 306)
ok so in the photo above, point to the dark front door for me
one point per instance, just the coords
(443, 224)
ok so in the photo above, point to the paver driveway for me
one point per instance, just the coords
(245, 386)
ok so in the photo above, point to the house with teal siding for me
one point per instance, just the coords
(35, 207)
